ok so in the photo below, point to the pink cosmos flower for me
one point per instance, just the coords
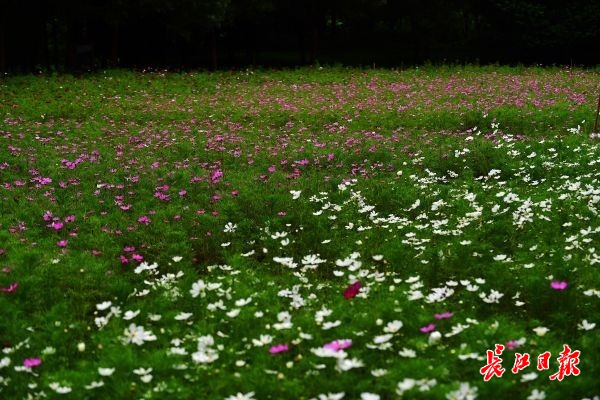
(352, 290)
(96, 252)
(32, 362)
(443, 315)
(11, 288)
(137, 257)
(144, 220)
(282, 213)
(216, 176)
(512, 344)
(62, 243)
(57, 226)
(47, 216)
(338, 345)
(128, 249)
(279, 348)
(558, 285)
(123, 259)
(428, 328)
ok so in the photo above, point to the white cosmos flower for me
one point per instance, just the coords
(585, 325)
(183, 316)
(101, 322)
(326, 352)
(262, 340)
(295, 194)
(405, 385)
(393, 326)
(493, 297)
(379, 372)
(198, 289)
(382, 338)
(104, 305)
(408, 353)
(328, 325)
(137, 335)
(130, 314)
(142, 371)
(243, 302)
(5, 362)
(205, 342)
(154, 317)
(94, 385)
(330, 396)
(177, 258)
(369, 396)
(464, 392)
(537, 395)
(470, 356)
(144, 266)
(58, 388)
(241, 396)
(529, 377)
(230, 227)
(346, 364)
(434, 337)
(205, 357)
(541, 330)
(105, 371)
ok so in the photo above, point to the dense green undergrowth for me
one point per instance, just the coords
(313, 233)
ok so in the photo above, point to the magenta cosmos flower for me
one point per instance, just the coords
(10, 288)
(443, 315)
(32, 362)
(352, 290)
(279, 348)
(558, 285)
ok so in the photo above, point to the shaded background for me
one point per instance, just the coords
(71, 35)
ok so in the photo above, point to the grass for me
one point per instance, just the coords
(193, 235)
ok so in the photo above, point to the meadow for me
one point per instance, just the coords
(320, 233)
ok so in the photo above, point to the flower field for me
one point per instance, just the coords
(319, 233)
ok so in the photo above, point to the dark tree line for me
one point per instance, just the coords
(78, 35)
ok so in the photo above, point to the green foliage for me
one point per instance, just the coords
(261, 193)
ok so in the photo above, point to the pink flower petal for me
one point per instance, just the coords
(32, 362)
(279, 348)
(558, 285)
